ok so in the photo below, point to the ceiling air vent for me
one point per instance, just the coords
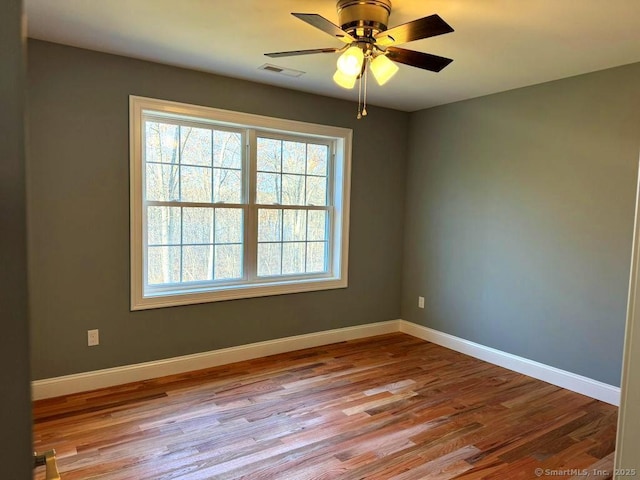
(289, 72)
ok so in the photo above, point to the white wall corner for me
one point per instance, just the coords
(561, 378)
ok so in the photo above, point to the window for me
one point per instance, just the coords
(229, 205)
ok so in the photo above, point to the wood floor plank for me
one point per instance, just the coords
(385, 407)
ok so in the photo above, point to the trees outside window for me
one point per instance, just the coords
(228, 205)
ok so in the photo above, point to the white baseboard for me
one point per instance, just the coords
(82, 382)
(562, 378)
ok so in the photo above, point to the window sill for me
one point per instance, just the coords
(162, 300)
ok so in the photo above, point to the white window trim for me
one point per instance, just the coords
(341, 194)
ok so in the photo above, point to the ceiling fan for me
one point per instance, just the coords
(363, 28)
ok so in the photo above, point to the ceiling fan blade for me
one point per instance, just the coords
(301, 52)
(426, 61)
(422, 28)
(325, 25)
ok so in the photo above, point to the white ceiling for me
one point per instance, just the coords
(497, 44)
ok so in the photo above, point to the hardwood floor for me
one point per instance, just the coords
(386, 407)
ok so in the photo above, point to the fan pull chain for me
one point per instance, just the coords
(359, 116)
(362, 100)
(366, 70)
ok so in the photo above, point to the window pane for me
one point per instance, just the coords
(163, 226)
(227, 185)
(162, 182)
(268, 188)
(295, 225)
(293, 190)
(269, 225)
(228, 262)
(197, 225)
(293, 258)
(197, 263)
(293, 157)
(269, 259)
(195, 146)
(269, 152)
(317, 159)
(317, 225)
(161, 141)
(163, 265)
(316, 191)
(316, 257)
(229, 225)
(227, 149)
(195, 184)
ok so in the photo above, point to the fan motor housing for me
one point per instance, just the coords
(363, 17)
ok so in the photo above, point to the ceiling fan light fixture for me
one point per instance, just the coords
(350, 62)
(345, 81)
(383, 69)
(363, 28)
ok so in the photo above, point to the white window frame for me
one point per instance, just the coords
(338, 191)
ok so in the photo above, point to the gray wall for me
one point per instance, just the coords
(517, 226)
(15, 393)
(519, 219)
(78, 192)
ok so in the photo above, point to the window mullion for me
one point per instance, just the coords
(212, 250)
(330, 238)
(181, 242)
(306, 203)
(251, 210)
(306, 239)
(213, 170)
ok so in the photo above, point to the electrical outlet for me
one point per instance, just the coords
(420, 302)
(93, 337)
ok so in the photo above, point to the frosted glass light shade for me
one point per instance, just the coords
(350, 62)
(383, 69)
(345, 81)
